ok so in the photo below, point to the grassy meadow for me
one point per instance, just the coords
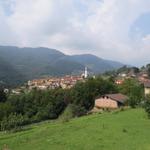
(125, 130)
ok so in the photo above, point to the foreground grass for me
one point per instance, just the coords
(126, 130)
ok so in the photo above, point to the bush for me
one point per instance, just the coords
(67, 114)
(147, 106)
(72, 111)
(41, 115)
(134, 90)
(3, 96)
(14, 122)
(132, 101)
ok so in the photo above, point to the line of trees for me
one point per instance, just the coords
(134, 90)
(37, 105)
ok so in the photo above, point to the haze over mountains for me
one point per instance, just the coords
(20, 64)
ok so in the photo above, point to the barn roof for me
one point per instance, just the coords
(117, 97)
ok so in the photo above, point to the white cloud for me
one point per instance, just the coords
(100, 27)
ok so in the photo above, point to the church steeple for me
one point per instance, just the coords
(85, 73)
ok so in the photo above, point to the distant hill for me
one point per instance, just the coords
(8, 74)
(20, 64)
(96, 64)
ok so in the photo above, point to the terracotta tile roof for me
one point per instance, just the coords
(118, 97)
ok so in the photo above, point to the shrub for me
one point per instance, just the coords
(134, 90)
(72, 111)
(3, 96)
(147, 105)
(41, 115)
(67, 114)
(13, 121)
(132, 101)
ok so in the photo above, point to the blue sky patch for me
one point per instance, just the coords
(141, 26)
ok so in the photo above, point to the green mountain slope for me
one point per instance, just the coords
(9, 75)
(34, 63)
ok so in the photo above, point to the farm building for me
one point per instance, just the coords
(111, 101)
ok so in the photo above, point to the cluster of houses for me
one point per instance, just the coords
(66, 82)
(142, 77)
(113, 101)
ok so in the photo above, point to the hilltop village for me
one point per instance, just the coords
(65, 82)
(52, 82)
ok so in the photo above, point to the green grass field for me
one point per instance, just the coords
(125, 130)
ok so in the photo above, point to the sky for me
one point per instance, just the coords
(112, 29)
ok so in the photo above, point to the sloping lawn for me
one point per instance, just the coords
(125, 130)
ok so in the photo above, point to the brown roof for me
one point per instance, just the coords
(118, 97)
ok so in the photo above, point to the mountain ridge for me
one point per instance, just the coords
(30, 63)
